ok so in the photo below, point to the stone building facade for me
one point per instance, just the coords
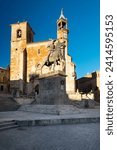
(28, 59)
(4, 80)
(90, 83)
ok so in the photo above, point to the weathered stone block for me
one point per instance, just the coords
(52, 89)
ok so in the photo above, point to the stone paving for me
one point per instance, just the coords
(21, 115)
(58, 137)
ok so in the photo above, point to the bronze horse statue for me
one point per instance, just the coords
(55, 55)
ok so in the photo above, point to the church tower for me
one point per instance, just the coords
(62, 27)
(62, 35)
(21, 34)
(62, 30)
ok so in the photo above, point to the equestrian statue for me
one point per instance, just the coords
(55, 55)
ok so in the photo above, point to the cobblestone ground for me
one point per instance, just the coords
(59, 137)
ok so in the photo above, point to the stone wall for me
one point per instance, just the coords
(4, 80)
(36, 55)
(90, 82)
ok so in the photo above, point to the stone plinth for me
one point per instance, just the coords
(52, 89)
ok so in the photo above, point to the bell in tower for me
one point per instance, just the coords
(62, 29)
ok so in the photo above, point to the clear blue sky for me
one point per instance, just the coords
(83, 23)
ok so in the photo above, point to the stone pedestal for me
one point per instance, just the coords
(52, 89)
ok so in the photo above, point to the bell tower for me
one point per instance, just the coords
(62, 27)
(62, 30)
(21, 34)
(62, 35)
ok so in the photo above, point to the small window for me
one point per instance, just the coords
(19, 33)
(38, 51)
(63, 25)
(1, 88)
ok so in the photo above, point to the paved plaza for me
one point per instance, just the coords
(58, 137)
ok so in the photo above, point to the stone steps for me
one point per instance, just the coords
(50, 109)
(8, 125)
(57, 121)
(8, 104)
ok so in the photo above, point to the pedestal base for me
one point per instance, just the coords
(52, 89)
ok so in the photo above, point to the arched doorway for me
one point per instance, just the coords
(37, 89)
(1, 88)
